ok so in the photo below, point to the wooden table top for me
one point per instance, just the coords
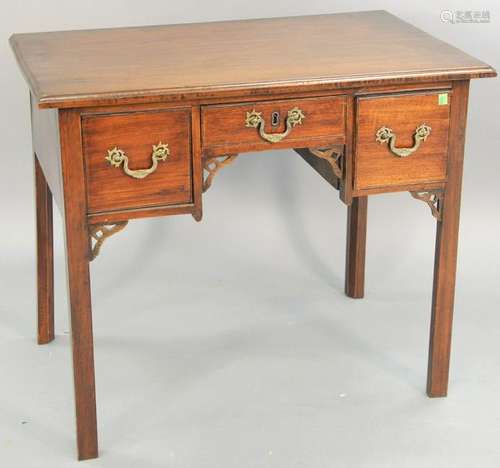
(92, 67)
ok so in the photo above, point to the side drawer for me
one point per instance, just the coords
(142, 137)
(289, 123)
(401, 140)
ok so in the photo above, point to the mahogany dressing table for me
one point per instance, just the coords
(136, 122)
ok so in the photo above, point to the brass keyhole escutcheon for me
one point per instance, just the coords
(275, 119)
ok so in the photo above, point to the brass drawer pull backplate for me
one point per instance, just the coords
(255, 120)
(116, 157)
(386, 135)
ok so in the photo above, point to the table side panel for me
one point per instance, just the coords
(45, 136)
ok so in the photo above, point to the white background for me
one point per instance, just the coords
(229, 343)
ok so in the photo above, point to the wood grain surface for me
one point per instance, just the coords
(83, 68)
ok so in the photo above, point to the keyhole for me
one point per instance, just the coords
(275, 119)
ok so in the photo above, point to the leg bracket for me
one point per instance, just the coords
(433, 199)
(100, 232)
(332, 156)
(212, 165)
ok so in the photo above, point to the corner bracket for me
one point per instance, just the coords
(212, 165)
(434, 200)
(332, 156)
(100, 232)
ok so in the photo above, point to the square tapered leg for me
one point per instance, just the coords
(446, 250)
(356, 247)
(77, 260)
(45, 257)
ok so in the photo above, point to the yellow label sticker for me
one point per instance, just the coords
(443, 99)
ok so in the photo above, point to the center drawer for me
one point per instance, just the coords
(288, 123)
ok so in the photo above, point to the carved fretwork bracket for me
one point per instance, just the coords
(212, 166)
(100, 232)
(433, 199)
(332, 156)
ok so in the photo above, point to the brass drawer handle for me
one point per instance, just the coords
(386, 135)
(116, 157)
(255, 120)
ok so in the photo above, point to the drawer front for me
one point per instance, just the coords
(255, 126)
(396, 119)
(140, 137)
